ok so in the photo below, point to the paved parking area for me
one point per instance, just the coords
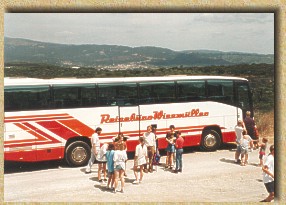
(206, 177)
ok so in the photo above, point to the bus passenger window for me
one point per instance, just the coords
(157, 92)
(119, 94)
(127, 94)
(106, 94)
(66, 96)
(191, 91)
(221, 91)
(88, 95)
(26, 98)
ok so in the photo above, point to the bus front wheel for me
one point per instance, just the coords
(210, 140)
(77, 154)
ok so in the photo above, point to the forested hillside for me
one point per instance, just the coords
(115, 56)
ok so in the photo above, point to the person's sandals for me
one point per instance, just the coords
(135, 182)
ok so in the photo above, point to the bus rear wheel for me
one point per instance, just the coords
(77, 154)
(211, 140)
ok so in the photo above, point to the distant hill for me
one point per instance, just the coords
(18, 50)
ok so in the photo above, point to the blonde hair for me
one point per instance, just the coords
(239, 122)
(248, 113)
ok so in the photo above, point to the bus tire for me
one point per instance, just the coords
(211, 140)
(77, 154)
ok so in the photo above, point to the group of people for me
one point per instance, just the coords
(174, 149)
(247, 140)
(113, 156)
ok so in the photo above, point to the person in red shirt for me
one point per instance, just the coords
(179, 152)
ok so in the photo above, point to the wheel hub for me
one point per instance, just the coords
(210, 140)
(79, 154)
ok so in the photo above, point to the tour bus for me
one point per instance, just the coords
(49, 119)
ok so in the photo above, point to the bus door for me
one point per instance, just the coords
(129, 124)
(243, 98)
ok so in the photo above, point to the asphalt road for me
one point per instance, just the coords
(206, 177)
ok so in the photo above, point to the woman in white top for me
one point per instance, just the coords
(140, 159)
(119, 159)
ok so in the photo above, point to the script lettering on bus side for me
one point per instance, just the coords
(157, 115)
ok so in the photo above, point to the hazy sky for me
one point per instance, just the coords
(243, 32)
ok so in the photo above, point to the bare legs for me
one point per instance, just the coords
(119, 175)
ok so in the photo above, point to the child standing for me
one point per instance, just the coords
(110, 165)
(244, 145)
(179, 152)
(101, 158)
(119, 158)
(140, 159)
(262, 150)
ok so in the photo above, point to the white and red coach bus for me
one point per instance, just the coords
(55, 118)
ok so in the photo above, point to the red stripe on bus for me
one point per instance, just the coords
(78, 127)
(41, 138)
(35, 155)
(58, 129)
(228, 137)
(49, 137)
(25, 142)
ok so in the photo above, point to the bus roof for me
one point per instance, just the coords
(36, 81)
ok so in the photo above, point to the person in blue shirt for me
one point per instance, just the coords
(110, 166)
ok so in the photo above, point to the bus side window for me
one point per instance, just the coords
(221, 91)
(119, 94)
(127, 94)
(88, 95)
(66, 96)
(26, 98)
(145, 94)
(191, 91)
(157, 92)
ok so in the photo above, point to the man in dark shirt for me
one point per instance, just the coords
(250, 127)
